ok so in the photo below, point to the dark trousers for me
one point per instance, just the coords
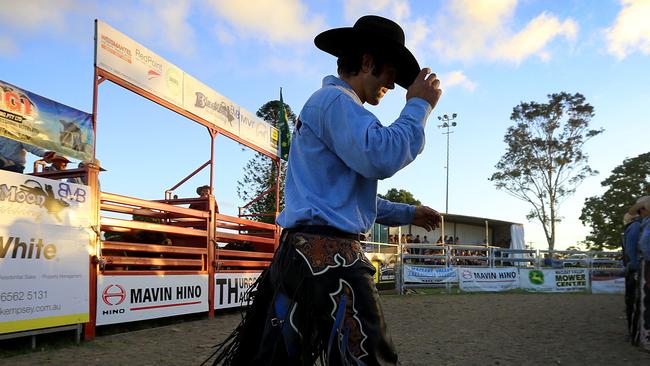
(318, 300)
(631, 305)
(644, 305)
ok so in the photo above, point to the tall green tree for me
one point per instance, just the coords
(400, 196)
(604, 214)
(544, 160)
(260, 171)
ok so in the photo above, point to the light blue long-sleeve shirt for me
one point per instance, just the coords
(339, 151)
(644, 238)
(16, 151)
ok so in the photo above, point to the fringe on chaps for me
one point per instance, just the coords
(317, 302)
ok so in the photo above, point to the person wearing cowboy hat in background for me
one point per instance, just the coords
(642, 209)
(203, 192)
(318, 300)
(57, 163)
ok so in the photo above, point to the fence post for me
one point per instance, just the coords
(399, 273)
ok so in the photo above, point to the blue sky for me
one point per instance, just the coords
(489, 55)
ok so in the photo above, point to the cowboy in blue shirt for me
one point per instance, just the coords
(318, 298)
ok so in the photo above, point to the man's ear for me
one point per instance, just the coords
(367, 63)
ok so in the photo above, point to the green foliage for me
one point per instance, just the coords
(400, 196)
(604, 214)
(260, 171)
(544, 160)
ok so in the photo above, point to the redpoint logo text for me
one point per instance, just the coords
(147, 59)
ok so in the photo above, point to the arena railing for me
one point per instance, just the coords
(154, 243)
(449, 255)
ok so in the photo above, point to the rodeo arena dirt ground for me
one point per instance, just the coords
(428, 329)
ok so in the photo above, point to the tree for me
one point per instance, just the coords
(260, 172)
(604, 214)
(400, 196)
(544, 161)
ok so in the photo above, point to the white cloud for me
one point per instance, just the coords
(631, 31)
(36, 14)
(175, 29)
(482, 29)
(456, 78)
(224, 36)
(532, 39)
(277, 21)
(154, 22)
(7, 45)
(416, 34)
(397, 10)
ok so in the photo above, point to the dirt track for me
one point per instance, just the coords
(477, 329)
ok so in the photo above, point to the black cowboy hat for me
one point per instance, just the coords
(199, 189)
(377, 31)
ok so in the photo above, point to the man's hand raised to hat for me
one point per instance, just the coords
(425, 86)
(426, 217)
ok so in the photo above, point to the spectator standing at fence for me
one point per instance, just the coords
(642, 209)
(339, 151)
(425, 240)
(631, 235)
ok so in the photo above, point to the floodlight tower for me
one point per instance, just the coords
(447, 122)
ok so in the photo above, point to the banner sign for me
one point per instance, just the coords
(123, 299)
(422, 274)
(206, 103)
(384, 264)
(36, 120)
(129, 60)
(44, 244)
(555, 280)
(607, 282)
(488, 279)
(230, 289)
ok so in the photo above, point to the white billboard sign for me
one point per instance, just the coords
(488, 279)
(231, 289)
(555, 280)
(123, 299)
(422, 274)
(44, 252)
(213, 107)
(129, 60)
(608, 283)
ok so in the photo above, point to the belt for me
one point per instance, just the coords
(325, 230)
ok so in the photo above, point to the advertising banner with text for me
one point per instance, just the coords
(36, 120)
(607, 282)
(555, 280)
(422, 274)
(131, 61)
(134, 63)
(384, 264)
(488, 279)
(44, 252)
(230, 289)
(123, 299)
